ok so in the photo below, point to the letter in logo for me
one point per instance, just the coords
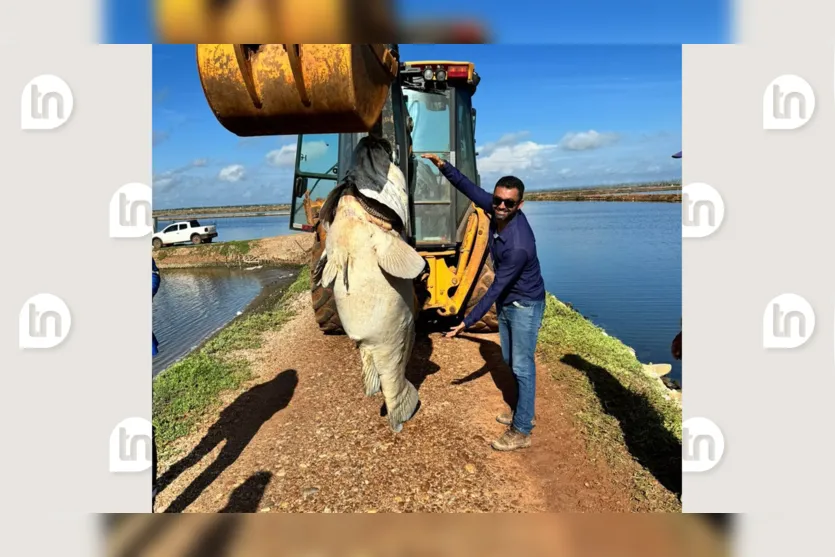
(46, 103)
(702, 445)
(702, 210)
(788, 103)
(130, 211)
(131, 446)
(44, 322)
(788, 322)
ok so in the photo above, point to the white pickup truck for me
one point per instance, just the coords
(184, 232)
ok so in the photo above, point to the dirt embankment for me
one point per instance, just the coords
(292, 249)
(300, 436)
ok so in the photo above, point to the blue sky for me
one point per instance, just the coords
(556, 116)
(552, 21)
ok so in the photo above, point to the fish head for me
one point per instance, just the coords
(376, 178)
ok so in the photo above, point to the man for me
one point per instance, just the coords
(517, 290)
(675, 348)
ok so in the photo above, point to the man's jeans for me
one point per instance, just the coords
(519, 324)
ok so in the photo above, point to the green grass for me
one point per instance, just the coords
(241, 247)
(190, 389)
(625, 416)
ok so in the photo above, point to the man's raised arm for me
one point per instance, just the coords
(463, 184)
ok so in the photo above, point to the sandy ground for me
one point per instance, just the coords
(303, 437)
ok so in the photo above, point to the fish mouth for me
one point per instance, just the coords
(375, 208)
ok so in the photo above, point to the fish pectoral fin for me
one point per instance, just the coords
(370, 377)
(320, 266)
(398, 258)
(329, 273)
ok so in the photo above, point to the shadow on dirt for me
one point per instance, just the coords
(237, 425)
(648, 441)
(246, 498)
(495, 365)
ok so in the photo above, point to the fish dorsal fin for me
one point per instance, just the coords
(396, 257)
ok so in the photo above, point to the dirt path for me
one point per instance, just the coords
(304, 438)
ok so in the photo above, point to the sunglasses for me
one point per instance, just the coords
(509, 203)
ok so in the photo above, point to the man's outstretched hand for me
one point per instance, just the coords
(455, 330)
(436, 160)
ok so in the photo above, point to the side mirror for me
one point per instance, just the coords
(299, 186)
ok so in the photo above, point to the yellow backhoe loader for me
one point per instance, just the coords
(330, 95)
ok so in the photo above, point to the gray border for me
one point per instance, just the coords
(773, 406)
(60, 404)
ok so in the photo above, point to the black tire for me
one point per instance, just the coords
(196, 239)
(490, 322)
(324, 304)
(157, 243)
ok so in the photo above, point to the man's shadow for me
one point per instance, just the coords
(246, 498)
(494, 364)
(237, 425)
(649, 442)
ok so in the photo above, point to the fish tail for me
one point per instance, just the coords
(401, 396)
(404, 406)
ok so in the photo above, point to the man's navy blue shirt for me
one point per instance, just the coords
(518, 276)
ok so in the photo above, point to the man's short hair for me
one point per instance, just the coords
(512, 182)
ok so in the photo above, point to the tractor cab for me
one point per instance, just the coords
(431, 111)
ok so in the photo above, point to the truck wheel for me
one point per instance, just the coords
(324, 304)
(157, 243)
(195, 239)
(490, 322)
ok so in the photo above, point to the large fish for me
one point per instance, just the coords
(372, 269)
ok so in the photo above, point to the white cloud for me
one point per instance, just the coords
(285, 156)
(509, 159)
(505, 140)
(231, 173)
(571, 162)
(200, 162)
(165, 180)
(582, 141)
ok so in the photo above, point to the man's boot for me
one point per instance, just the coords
(512, 440)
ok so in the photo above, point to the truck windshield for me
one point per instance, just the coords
(430, 114)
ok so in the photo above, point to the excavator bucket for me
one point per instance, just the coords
(284, 89)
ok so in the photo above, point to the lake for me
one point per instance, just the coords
(192, 304)
(619, 264)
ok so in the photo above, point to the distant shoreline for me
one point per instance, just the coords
(627, 192)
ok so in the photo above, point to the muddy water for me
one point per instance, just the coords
(194, 303)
